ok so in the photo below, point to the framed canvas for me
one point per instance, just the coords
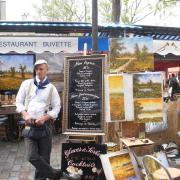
(120, 165)
(119, 97)
(84, 94)
(83, 160)
(115, 108)
(147, 94)
(131, 54)
(14, 68)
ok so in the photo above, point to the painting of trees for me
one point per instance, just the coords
(115, 51)
(22, 69)
(137, 109)
(131, 54)
(15, 68)
(12, 71)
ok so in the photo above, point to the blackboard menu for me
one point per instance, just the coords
(85, 93)
(82, 161)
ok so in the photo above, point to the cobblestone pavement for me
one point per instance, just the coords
(14, 166)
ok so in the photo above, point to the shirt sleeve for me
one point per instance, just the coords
(55, 104)
(20, 98)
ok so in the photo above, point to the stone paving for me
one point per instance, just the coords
(14, 166)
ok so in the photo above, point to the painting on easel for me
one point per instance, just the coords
(119, 165)
(147, 93)
(115, 98)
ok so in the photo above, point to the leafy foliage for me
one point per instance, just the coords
(64, 10)
(133, 11)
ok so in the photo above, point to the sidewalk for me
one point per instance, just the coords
(13, 165)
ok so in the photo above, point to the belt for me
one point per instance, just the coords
(33, 124)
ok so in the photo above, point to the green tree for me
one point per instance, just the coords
(22, 69)
(116, 48)
(133, 11)
(12, 71)
(105, 10)
(150, 83)
(144, 53)
(64, 10)
(137, 109)
(137, 51)
(136, 85)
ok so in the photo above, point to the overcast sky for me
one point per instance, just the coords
(16, 8)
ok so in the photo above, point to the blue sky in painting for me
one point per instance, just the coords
(129, 43)
(146, 77)
(7, 61)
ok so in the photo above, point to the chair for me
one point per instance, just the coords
(21, 126)
(3, 127)
(159, 171)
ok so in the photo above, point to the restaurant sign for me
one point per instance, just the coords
(38, 44)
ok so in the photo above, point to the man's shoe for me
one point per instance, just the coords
(57, 174)
(66, 176)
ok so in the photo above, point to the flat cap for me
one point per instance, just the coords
(40, 61)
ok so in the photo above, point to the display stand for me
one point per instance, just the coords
(84, 137)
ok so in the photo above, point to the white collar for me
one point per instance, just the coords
(38, 80)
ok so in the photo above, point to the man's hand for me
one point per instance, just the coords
(40, 121)
(27, 117)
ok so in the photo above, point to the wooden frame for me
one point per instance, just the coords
(115, 169)
(78, 90)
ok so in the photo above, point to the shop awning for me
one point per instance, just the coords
(74, 28)
(166, 47)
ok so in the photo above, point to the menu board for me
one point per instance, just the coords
(82, 161)
(84, 93)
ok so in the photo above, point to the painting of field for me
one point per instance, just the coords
(147, 85)
(116, 96)
(122, 167)
(148, 110)
(131, 54)
(14, 69)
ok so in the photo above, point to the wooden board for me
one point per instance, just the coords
(130, 142)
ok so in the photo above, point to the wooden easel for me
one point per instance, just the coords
(83, 137)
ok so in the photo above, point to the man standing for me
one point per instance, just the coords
(174, 85)
(38, 101)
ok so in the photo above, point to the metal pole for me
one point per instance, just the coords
(94, 26)
(2, 10)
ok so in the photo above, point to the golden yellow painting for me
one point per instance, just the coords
(148, 110)
(116, 96)
(122, 167)
(131, 54)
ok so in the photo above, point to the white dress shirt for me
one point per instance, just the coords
(37, 99)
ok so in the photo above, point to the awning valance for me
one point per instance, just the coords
(38, 44)
(166, 47)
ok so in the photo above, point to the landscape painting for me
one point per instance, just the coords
(14, 68)
(116, 97)
(148, 110)
(119, 166)
(147, 95)
(131, 54)
(147, 85)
